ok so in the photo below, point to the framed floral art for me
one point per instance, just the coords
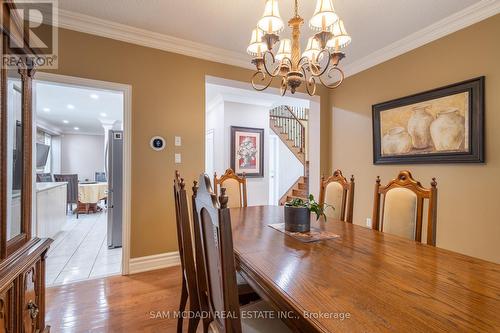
(247, 151)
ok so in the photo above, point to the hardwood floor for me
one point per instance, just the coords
(129, 304)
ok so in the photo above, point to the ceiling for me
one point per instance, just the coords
(216, 92)
(227, 24)
(91, 108)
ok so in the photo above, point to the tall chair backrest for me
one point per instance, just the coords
(43, 177)
(72, 188)
(214, 223)
(236, 188)
(399, 208)
(337, 192)
(100, 177)
(184, 239)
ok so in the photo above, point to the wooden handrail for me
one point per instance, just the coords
(293, 114)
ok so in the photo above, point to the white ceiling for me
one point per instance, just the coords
(88, 114)
(216, 92)
(227, 24)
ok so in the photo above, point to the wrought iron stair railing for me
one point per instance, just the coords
(290, 123)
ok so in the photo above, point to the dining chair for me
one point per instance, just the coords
(236, 188)
(189, 285)
(399, 207)
(100, 177)
(72, 189)
(337, 192)
(218, 268)
(43, 177)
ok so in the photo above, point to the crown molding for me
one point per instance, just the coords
(460, 20)
(104, 28)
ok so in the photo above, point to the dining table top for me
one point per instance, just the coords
(365, 280)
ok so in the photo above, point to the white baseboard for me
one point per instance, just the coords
(157, 261)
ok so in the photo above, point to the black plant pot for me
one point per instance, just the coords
(297, 219)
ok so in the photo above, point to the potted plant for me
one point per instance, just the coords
(298, 213)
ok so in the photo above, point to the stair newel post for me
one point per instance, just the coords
(303, 138)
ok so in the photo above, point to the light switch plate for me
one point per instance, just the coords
(178, 141)
(178, 158)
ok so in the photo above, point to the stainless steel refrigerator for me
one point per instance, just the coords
(114, 172)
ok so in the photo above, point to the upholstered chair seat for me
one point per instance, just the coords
(400, 212)
(236, 188)
(233, 191)
(337, 196)
(333, 197)
(399, 208)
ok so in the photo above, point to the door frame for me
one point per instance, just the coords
(127, 147)
(314, 123)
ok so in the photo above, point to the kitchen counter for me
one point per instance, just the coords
(51, 208)
(50, 185)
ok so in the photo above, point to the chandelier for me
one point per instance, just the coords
(319, 61)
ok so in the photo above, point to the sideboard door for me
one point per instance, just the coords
(31, 299)
(7, 309)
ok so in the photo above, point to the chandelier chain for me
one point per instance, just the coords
(296, 8)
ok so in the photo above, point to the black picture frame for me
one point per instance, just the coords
(255, 131)
(475, 87)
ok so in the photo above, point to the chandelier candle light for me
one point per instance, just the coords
(320, 59)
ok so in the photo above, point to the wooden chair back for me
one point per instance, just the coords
(184, 239)
(339, 193)
(236, 188)
(401, 188)
(219, 271)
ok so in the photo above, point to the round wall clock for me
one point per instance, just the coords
(157, 143)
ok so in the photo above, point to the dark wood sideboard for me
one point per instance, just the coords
(22, 256)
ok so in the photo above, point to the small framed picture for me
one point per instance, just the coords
(247, 151)
(444, 125)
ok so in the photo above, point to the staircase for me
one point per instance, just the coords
(289, 124)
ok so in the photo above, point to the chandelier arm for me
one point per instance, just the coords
(276, 70)
(261, 80)
(308, 66)
(310, 82)
(323, 71)
(284, 86)
(336, 84)
(290, 62)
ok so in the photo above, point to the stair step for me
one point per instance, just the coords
(302, 186)
(291, 197)
(300, 193)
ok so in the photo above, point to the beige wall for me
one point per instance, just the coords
(168, 98)
(469, 194)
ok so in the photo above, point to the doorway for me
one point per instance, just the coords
(82, 173)
(286, 136)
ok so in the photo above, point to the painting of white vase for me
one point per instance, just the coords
(448, 130)
(444, 125)
(419, 126)
(397, 141)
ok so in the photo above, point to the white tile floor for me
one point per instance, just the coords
(80, 251)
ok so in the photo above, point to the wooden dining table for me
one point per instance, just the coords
(365, 280)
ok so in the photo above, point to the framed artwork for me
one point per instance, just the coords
(247, 151)
(444, 125)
